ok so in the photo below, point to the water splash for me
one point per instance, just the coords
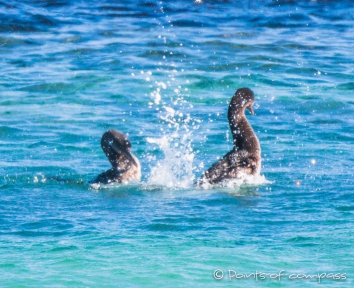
(176, 168)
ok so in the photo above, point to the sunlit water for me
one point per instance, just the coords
(163, 73)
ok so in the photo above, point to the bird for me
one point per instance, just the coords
(125, 166)
(245, 156)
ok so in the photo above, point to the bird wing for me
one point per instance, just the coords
(228, 167)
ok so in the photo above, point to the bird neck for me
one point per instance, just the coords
(243, 135)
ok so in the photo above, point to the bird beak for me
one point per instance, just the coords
(251, 109)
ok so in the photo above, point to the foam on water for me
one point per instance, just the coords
(124, 186)
(242, 179)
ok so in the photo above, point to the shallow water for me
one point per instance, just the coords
(163, 73)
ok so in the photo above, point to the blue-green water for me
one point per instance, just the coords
(163, 73)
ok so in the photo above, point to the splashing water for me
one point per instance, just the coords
(176, 169)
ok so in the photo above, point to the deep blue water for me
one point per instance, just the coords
(163, 73)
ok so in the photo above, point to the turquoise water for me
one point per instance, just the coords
(163, 73)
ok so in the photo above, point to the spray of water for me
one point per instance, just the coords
(176, 168)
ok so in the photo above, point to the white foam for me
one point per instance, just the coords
(114, 185)
(242, 179)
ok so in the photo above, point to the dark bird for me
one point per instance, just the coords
(125, 166)
(245, 157)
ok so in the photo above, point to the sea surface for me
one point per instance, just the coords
(163, 73)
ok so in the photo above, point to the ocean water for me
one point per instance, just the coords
(163, 73)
